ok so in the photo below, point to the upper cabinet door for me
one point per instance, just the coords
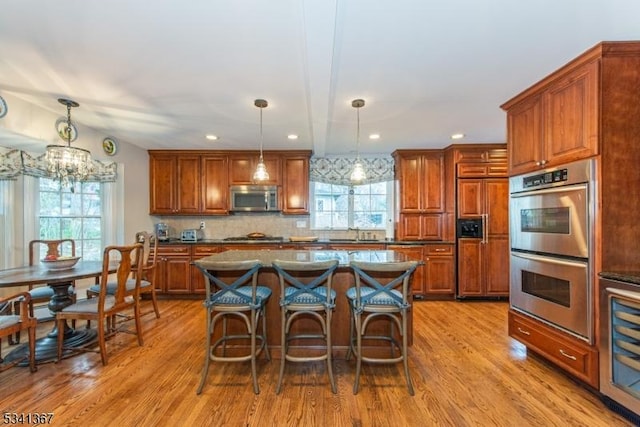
(162, 175)
(409, 168)
(524, 128)
(188, 185)
(215, 185)
(421, 180)
(571, 116)
(433, 184)
(242, 166)
(295, 185)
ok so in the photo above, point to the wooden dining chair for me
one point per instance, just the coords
(382, 292)
(11, 324)
(148, 278)
(41, 294)
(306, 292)
(105, 307)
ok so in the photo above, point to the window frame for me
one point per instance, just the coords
(390, 189)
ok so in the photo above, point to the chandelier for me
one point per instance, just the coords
(65, 163)
(261, 173)
(358, 174)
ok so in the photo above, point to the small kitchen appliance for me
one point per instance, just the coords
(162, 232)
(191, 235)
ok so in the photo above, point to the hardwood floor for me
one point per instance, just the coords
(466, 372)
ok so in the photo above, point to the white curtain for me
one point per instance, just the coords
(113, 210)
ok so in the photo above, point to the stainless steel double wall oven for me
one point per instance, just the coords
(551, 225)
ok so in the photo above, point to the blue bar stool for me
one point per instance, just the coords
(381, 291)
(305, 291)
(227, 298)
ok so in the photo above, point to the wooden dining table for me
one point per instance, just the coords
(59, 281)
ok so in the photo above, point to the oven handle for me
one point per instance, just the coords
(547, 259)
(552, 190)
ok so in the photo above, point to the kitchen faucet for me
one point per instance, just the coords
(357, 230)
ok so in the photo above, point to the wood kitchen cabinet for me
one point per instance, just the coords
(483, 263)
(243, 165)
(436, 276)
(439, 276)
(295, 184)
(421, 201)
(420, 226)
(573, 355)
(174, 184)
(420, 177)
(174, 269)
(558, 123)
(215, 185)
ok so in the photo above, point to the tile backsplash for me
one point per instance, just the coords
(243, 224)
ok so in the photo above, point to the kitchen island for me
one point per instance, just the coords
(343, 280)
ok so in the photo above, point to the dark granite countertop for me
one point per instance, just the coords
(622, 276)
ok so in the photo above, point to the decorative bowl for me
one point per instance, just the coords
(62, 263)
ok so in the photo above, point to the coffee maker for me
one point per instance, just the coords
(162, 232)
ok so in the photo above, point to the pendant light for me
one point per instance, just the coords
(68, 164)
(358, 174)
(261, 173)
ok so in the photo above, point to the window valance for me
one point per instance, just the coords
(337, 170)
(14, 162)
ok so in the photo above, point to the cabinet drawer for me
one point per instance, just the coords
(572, 355)
(174, 250)
(466, 170)
(435, 250)
(204, 250)
(477, 170)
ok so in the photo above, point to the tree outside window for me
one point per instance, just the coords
(339, 207)
(77, 216)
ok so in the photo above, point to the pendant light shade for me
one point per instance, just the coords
(358, 174)
(261, 173)
(68, 164)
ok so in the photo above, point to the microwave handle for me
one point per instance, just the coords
(266, 200)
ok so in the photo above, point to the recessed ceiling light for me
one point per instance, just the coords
(374, 136)
(457, 136)
(292, 136)
(211, 137)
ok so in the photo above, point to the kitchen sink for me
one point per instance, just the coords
(354, 240)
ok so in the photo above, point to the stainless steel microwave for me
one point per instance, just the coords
(254, 198)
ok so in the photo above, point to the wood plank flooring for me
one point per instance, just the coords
(466, 372)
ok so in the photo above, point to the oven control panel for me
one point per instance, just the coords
(559, 175)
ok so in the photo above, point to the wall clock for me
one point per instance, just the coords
(3, 107)
(109, 146)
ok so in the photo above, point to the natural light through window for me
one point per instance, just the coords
(77, 215)
(339, 207)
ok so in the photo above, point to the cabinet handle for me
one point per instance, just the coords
(485, 224)
(568, 356)
(523, 332)
(538, 163)
(440, 250)
(543, 162)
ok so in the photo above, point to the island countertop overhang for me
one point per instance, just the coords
(266, 257)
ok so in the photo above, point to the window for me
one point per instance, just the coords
(74, 215)
(337, 207)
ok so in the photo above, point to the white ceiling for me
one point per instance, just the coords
(163, 73)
